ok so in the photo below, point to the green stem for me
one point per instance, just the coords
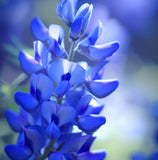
(71, 52)
(18, 80)
(46, 152)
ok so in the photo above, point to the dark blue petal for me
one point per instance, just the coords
(27, 101)
(16, 152)
(66, 115)
(102, 88)
(89, 124)
(28, 64)
(73, 97)
(56, 156)
(58, 68)
(56, 32)
(41, 86)
(53, 131)
(75, 30)
(41, 53)
(62, 88)
(34, 138)
(83, 104)
(49, 108)
(56, 49)
(73, 144)
(91, 156)
(39, 30)
(101, 52)
(16, 121)
(87, 145)
(77, 74)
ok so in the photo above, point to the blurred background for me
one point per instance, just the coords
(132, 111)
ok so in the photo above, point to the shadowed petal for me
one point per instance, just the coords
(39, 30)
(89, 124)
(15, 120)
(16, 152)
(27, 101)
(34, 138)
(102, 88)
(28, 64)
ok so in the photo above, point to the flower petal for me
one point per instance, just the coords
(90, 124)
(66, 115)
(39, 30)
(16, 152)
(27, 101)
(53, 131)
(102, 88)
(56, 32)
(62, 88)
(41, 53)
(91, 156)
(101, 52)
(77, 74)
(49, 108)
(56, 156)
(15, 120)
(28, 64)
(41, 86)
(58, 68)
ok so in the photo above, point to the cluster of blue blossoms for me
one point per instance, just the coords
(63, 94)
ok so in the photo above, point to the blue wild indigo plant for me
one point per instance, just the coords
(63, 93)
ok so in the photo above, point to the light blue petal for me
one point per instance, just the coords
(59, 8)
(16, 121)
(49, 108)
(62, 88)
(68, 12)
(91, 156)
(53, 131)
(82, 11)
(66, 115)
(56, 156)
(16, 152)
(102, 88)
(27, 101)
(41, 53)
(56, 32)
(101, 52)
(39, 30)
(77, 74)
(90, 124)
(58, 68)
(28, 64)
(34, 138)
